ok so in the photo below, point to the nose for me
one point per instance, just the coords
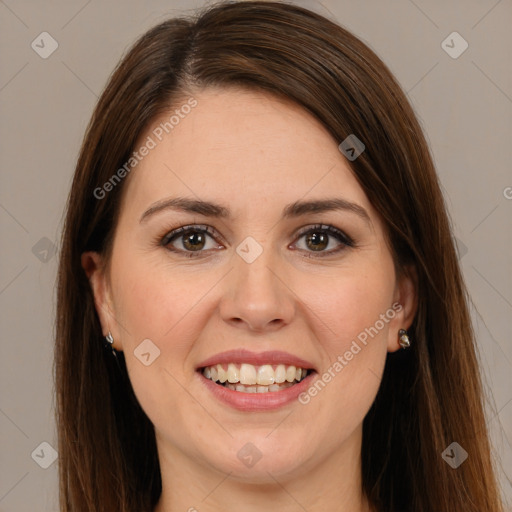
(257, 296)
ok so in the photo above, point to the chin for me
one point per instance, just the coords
(261, 460)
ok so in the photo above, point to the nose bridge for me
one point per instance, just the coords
(258, 297)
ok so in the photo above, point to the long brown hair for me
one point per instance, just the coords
(430, 394)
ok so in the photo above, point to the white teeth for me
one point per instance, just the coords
(280, 374)
(247, 374)
(265, 375)
(222, 375)
(247, 378)
(233, 373)
(291, 372)
(258, 389)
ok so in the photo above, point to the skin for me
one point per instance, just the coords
(254, 154)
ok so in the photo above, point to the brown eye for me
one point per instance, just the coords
(318, 238)
(317, 241)
(193, 241)
(189, 240)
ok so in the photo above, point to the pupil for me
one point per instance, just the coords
(194, 240)
(319, 241)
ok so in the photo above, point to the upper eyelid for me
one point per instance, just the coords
(321, 227)
(190, 227)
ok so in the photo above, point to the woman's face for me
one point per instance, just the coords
(268, 270)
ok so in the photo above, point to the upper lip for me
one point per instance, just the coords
(239, 356)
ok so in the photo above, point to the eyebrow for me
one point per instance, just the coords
(296, 209)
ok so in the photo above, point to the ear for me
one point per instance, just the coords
(95, 269)
(405, 305)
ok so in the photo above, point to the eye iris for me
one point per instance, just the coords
(193, 241)
(319, 241)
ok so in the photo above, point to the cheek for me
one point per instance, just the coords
(164, 307)
(353, 313)
(159, 303)
(351, 304)
(167, 309)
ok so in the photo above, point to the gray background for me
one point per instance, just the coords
(463, 103)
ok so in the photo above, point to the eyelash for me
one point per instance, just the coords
(341, 237)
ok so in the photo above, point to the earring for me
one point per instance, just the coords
(403, 339)
(110, 340)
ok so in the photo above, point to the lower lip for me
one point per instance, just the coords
(257, 401)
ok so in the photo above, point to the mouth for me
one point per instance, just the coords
(256, 382)
(249, 378)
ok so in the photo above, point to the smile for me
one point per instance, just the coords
(247, 378)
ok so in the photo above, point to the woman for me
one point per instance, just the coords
(259, 299)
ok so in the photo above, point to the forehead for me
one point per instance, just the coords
(244, 147)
